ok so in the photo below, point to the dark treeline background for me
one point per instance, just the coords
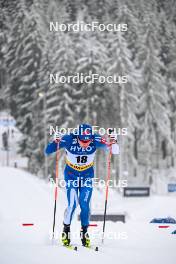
(146, 53)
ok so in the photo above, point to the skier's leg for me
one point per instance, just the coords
(72, 198)
(84, 201)
(85, 193)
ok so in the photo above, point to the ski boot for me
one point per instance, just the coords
(85, 237)
(66, 235)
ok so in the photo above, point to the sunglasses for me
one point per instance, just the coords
(85, 141)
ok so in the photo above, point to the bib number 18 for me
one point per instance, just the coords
(81, 159)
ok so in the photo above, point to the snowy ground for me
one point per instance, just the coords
(27, 199)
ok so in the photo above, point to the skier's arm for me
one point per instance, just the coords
(100, 142)
(115, 148)
(114, 144)
(51, 147)
(56, 144)
(103, 144)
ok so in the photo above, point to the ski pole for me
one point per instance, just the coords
(56, 189)
(107, 190)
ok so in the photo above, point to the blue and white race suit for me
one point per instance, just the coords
(78, 173)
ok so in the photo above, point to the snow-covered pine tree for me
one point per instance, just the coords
(13, 17)
(171, 83)
(167, 41)
(23, 60)
(91, 58)
(153, 110)
(3, 71)
(124, 95)
(57, 57)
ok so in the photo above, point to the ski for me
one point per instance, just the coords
(71, 247)
(75, 248)
(95, 248)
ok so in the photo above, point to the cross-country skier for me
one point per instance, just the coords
(79, 171)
